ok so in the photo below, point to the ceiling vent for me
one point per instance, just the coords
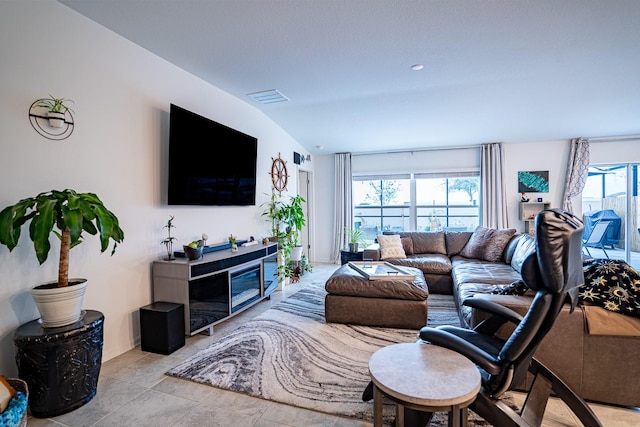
(268, 96)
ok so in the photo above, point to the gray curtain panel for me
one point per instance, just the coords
(576, 171)
(344, 203)
(493, 202)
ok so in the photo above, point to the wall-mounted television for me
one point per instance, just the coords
(210, 164)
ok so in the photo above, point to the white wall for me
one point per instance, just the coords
(118, 150)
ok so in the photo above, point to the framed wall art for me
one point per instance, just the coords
(533, 181)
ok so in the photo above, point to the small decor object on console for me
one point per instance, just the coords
(524, 197)
(194, 249)
(234, 245)
(168, 241)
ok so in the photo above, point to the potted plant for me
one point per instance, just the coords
(289, 216)
(272, 213)
(355, 236)
(67, 214)
(56, 110)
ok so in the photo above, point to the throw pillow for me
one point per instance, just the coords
(407, 245)
(390, 246)
(487, 243)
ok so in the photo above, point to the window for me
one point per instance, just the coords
(611, 194)
(415, 202)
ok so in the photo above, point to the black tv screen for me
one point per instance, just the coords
(210, 164)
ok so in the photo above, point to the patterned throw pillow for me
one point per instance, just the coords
(390, 246)
(487, 243)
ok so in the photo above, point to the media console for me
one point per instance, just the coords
(218, 285)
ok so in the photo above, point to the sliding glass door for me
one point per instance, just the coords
(611, 195)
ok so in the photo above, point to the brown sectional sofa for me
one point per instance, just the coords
(600, 368)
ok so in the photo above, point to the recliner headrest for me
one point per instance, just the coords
(559, 251)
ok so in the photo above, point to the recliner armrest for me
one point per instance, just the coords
(445, 339)
(493, 308)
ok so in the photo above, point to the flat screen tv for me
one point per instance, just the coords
(210, 164)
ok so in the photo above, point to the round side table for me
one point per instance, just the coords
(424, 377)
(60, 365)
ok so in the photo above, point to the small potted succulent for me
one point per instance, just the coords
(56, 110)
(66, 214)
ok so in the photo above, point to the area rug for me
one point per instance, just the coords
(289, 354)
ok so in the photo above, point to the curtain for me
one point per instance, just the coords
(493, 205)
(343, 202)
(576, 171)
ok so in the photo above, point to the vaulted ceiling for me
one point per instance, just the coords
(494, 70)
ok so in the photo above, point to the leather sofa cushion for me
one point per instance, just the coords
(456, 240)
(348, 282)
(482, 272)
(465, 291)
(429, 264)
(427, 242)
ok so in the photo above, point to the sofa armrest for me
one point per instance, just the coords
(372, 252)
(494, 309)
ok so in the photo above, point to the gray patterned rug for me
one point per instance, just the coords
(289, 354)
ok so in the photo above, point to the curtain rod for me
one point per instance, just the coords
(418, 150)
(614, 138)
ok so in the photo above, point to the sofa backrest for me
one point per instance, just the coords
(523, 246)
(427, 242)
(456, 240)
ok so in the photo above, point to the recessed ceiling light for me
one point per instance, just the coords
(417, 67)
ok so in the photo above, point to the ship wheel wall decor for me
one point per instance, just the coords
(279, 176)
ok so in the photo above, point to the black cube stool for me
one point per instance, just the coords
(162, 327)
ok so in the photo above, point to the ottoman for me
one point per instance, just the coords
(386, 303)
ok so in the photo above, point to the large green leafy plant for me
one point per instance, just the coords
(67, 214)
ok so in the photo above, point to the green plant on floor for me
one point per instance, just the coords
(304, 265)
(67, 214)
(287, 219)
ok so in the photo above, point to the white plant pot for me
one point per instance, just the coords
(296, 253)
(56, 120)
(59, 306)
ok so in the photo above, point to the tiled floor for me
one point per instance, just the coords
(133, 391)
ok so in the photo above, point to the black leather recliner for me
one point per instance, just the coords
(554, 271)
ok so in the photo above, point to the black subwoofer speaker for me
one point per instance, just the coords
(162, 327)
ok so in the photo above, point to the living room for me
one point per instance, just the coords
(119, 150)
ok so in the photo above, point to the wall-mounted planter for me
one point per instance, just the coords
(51, 125)
(56, 120)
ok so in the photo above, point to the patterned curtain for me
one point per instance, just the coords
(576, 171)
(343, 202)
(493, 204)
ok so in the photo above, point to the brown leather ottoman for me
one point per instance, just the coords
(387, 303)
